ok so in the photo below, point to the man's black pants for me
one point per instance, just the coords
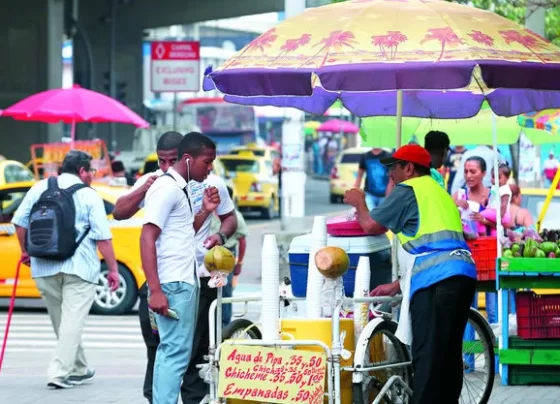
(439, 316)
(193, 388)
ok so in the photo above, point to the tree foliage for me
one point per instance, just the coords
(515, 11)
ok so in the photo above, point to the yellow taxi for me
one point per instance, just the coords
(267, 152)
(345, 171)
(126, 236)
(256, 187)
(13, 171)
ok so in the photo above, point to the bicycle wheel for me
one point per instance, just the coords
(241, 329)
(478, 360)
(382, 348)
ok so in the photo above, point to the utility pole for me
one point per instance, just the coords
(535, 21)
(293, 175)
(112, 71)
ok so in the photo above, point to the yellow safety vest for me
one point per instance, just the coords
(439, 243)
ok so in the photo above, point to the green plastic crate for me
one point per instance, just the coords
(519, 343)
(523, 375)
(541, 265)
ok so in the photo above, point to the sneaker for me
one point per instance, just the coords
(60, 383)
(77, 380)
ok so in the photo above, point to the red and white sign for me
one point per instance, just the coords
(175, 66)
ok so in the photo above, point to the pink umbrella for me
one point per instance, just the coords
(338, 125)
(73, 105)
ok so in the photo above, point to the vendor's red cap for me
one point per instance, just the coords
(411, 153)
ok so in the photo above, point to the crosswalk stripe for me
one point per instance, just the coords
(34, 332)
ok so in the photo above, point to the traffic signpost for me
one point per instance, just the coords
(175, 67)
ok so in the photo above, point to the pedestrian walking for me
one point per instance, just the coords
(377, 176)
(439, 276)
(60, 224)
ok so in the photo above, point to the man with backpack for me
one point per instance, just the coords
(60, 224)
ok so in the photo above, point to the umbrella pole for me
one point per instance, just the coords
(73, 134)
(499, 226)
(394, 250)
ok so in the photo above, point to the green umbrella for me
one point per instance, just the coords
(379, 131)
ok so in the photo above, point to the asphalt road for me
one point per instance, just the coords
(317, 195)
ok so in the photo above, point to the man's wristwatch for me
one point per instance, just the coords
(223, 237)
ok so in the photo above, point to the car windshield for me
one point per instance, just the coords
(150, 167)
(241, 165)
(350, 158)
(535, 203)
(258, 153)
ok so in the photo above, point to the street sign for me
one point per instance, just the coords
(175, 66)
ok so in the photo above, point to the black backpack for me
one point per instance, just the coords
(52, 231)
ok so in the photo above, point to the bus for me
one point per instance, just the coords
(229, 125)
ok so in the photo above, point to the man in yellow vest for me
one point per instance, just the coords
(438, 274)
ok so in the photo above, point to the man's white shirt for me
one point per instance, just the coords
(196, 190)
(142, 180)
(226, 206)
(166, 206)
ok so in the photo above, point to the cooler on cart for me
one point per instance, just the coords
(377, 248)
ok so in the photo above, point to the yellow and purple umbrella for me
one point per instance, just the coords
(364, 52)
(548, 120)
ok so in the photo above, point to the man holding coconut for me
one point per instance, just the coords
(438, 276)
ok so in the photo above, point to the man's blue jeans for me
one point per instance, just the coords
(373, 201)
(227, 291)
(176, 340)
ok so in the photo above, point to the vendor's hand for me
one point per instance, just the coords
(211, 199)
(462, 203)
(389, 289)
(158, 303)
(237, 269)
(212, 241)
(355, 197)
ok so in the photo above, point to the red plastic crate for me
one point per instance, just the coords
(538, 316)
(484, 252)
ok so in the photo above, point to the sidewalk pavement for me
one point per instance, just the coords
(120, 375)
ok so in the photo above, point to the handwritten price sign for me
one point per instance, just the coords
(271, 375)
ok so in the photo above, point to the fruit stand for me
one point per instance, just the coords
(530, 261)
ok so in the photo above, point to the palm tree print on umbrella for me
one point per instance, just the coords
(445, 36)
(261, 43)
(481, 38)
(336, 40)
(529, 40)
(291, 45)
(391, 41)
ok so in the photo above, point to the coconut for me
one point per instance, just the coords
(219, 259)
(332, 262)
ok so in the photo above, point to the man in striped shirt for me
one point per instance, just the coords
(68, 287)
